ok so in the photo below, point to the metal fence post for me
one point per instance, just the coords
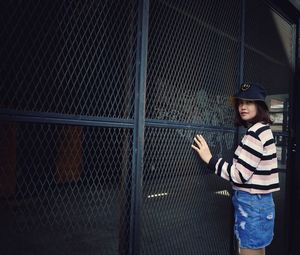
(139, 126)
(234, 248)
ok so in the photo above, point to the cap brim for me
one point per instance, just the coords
(232, 101)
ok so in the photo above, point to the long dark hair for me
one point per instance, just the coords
(262, 114)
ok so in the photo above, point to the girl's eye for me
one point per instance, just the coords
(246, 103)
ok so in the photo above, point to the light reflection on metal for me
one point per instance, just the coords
(157, 195)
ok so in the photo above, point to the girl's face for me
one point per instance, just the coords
(247, 110)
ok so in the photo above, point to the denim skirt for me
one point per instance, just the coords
(254, 219)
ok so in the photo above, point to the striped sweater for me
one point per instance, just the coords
(254, 167)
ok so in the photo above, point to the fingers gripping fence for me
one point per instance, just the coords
(73, 110)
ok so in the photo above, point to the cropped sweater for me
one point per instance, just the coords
(254, 167)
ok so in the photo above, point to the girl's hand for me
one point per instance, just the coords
(202, 148)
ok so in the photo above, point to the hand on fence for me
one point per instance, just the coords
(202, 148)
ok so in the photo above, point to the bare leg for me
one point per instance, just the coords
(252, 251)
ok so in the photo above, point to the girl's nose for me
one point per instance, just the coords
(243, 106)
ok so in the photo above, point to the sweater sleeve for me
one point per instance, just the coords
(246, 159)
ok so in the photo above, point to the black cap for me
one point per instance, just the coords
(251, 91)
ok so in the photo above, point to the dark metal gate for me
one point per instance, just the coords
(100, 101)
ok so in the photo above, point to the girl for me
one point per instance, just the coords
(253, 171)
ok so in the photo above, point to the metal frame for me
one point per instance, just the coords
(292, 182)
(139, 126)
(67, 119)
(293, 176)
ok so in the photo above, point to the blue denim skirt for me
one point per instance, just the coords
(254, 219)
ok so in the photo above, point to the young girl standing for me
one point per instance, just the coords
(253, 171)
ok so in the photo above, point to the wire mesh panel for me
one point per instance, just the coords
(193, 60)
(71, 57)
(184, 203)
(64, 189)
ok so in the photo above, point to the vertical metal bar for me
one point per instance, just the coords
(233, 244)
(242, 42)
(292, 176)
(295, 191)
(242, 54)
(139, 126)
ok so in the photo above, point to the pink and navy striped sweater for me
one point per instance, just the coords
(254, 167)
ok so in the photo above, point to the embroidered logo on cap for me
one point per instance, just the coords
(245, 86)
